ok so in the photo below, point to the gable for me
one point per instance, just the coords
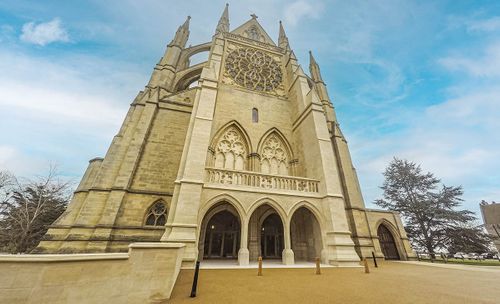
(253, 30)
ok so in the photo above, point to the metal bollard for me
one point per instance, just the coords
(367, 270)
(318, 267)
(374, 259)
(195, 280)
(259, 273)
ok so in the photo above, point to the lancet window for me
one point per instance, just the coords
(255, 115)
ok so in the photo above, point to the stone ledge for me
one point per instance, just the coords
(156, 245)
(63, 257)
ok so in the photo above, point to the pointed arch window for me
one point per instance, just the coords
(274, 156)
(255, 115)
(157, 214)
(231, 150)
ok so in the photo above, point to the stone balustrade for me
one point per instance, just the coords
(260, 180)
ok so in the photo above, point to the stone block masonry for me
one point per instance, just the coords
(146, 274)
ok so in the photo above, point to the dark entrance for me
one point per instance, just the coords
(271, 238)
(222, 236)
(387, 243)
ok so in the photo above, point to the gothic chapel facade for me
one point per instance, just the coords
(236, 157)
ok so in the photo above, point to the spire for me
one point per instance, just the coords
(223, 25)
(283, 39)
(314, 69)
(182, 34)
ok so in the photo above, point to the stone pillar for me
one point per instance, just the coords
(287, 255)
(182, 223)
(243, 253)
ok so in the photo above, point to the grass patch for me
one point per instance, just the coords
(466, 262)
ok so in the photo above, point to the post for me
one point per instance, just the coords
(259, 272)
(195, 280)
(374, 259)
(318, 267)
(367, 270)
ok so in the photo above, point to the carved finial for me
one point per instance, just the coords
(182, 34)
(254, 16)
(186, 23)
(283, 39)
(314, 68)
(223, 25)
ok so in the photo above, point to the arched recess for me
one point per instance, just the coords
(305, 235)
(389, 241)
(220, 233)
(230, 148)
(265, 233)
(156, 214)
(275, 153)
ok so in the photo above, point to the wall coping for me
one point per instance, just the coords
(62, 257)
(158, 245)
(30, 258)
(381, 211)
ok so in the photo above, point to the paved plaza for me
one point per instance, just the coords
(392, 282)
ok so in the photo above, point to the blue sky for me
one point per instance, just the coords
(413, 79)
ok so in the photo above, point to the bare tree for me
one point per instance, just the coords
(7, 181)
(30, 208)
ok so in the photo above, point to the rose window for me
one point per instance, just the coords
(253, 69)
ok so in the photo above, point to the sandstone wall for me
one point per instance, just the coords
(146, 274)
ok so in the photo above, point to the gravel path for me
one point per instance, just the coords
(392, 282)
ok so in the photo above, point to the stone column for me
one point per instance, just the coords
(243, 253)
(287, 255)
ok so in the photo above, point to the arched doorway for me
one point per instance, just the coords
(271, 239)
(305, 235)
(265, 234)
(387, 243)
(220, 235)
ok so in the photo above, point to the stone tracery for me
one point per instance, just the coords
(253, 33)
(156, 214)
(231, 151)
(253, 69)
(274, 156)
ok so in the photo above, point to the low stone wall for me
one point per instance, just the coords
(146, 274)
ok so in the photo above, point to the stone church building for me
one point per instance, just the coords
(236, 157)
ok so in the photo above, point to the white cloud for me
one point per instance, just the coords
(44, 33)
(299, 10)
(487, 66)
(15, 161)
(62, 110)
(457, 140)
(58, 92)
(486, 25)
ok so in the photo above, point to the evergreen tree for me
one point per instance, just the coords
(468, 238)
(427, 207)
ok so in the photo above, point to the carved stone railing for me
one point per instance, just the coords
(260, 180)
